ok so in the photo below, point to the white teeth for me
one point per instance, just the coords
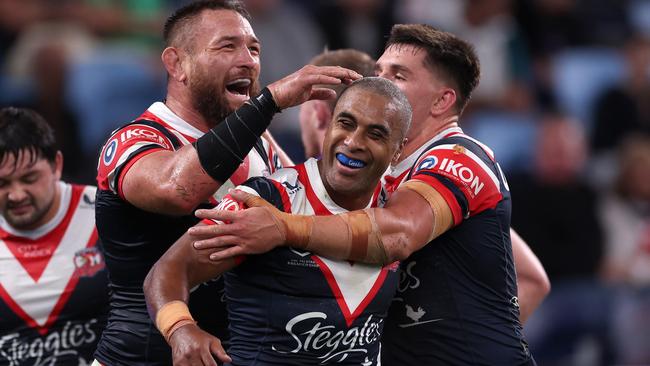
(241, 83)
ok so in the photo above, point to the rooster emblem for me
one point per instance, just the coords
(414, 315)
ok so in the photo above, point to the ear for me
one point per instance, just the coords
(172, 59)
(58, 165)
(398, 152)
(444, 102)
(323, 114)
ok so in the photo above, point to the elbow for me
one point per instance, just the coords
(148, 283)
(397, 249)
(544, 285)
(175, 201)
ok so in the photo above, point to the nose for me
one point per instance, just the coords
(248, 59)
(354, 140)
(16, 193)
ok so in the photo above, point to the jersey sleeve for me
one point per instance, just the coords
(464, 180)
(126, 146)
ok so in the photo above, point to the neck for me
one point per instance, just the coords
(51, 212)
(349, 200)
(424, 132)
(180, 107)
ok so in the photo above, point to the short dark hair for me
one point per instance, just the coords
(23, 130)
(447, 54)
(185, 15)
(390, 91)
(349, 58)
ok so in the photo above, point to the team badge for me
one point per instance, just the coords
(428, 163)
(88, 262)
(109, 152)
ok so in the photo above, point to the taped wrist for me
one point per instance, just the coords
(297, 229)
(171, 317)
(364, 238)
(225, 146)
(442, 216)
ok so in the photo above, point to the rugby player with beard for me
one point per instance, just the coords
(185, 152)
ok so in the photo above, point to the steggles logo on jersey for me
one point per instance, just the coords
(47, 350)
(311, 335)
(88, 262)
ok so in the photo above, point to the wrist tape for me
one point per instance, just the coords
(171, 317)
(225, 146)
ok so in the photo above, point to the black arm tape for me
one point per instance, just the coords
(225, 146)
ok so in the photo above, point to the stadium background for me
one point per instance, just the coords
(564, 101)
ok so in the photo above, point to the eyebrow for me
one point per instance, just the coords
(375, 126)
(234, 39)
(346, 115)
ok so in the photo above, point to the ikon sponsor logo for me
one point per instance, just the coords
(312, 336)
(145, 133)
(464, 173)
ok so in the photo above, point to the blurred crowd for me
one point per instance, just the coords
(564, 101)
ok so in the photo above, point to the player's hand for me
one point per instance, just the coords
(251, 231)
(302, 85)
(192, 346)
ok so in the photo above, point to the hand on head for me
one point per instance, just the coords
(302, 85)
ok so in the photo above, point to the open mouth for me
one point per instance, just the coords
(350, 162)
(239, 86)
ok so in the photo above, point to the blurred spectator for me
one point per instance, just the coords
(556, 212)
(289, 39)
(551, 25)
(359, 24)
(625, 108)
(44, 44)
(490, 26)
(625, 211)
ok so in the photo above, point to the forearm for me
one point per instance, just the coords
(176, 182)
(532, 282)
(169, 182)
(176, 272)
(376, 236)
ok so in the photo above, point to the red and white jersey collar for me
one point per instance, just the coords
(174, 122)
(406, 164)
(64, 202)
(316, 183)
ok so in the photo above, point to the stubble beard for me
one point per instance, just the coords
(208, 98)
(25, 222)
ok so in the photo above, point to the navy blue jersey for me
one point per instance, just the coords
(53, 286)
(135, 239)
(457, 298)
(291, 307)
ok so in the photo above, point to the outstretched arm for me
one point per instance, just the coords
(176, 182)
(167, 289)
(532, 282)
(414, 216)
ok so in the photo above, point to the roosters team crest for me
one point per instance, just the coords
(88, 262)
